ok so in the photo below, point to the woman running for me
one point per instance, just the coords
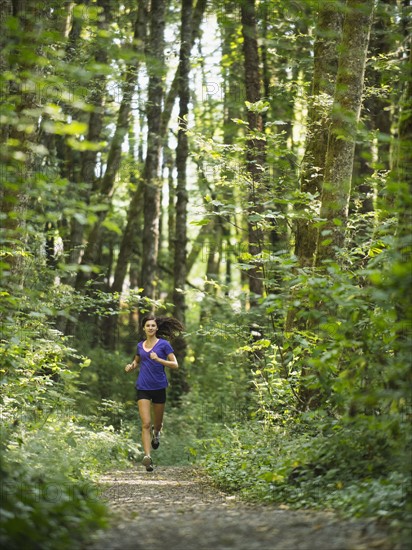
(154, 353)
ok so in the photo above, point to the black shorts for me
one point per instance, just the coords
(156, 396)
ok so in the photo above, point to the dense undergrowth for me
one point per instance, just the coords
(329, 470)
(311, 462)
(52, 448)
(50, 498)
(317, 415)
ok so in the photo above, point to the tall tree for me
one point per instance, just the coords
(106, 183)
(151, 175)
(403, 175)
(233, 107)
(374, 154)
(255, 153)
(182, 151)
(136, 203)
(85, 180)
(325, 67)
(343, 128)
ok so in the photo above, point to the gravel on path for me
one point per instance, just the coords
(177, 508)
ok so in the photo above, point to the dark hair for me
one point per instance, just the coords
(167, 327)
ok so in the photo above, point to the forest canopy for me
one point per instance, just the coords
(244, 166)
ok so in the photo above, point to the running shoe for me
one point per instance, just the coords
(155, 439)
(148, 462)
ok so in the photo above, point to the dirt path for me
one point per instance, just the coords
(176, 508)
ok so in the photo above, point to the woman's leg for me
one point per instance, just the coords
(145, 417)
(158, 410)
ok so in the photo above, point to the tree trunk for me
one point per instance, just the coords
(329, 28)
(6, 10)
(232, 109)
(178, 378)
(255, 153)
(17, 155)
(174, 88)
(377, 114)
(136, 204)
(403, 173)
(106, 185)
(168, 168)
(182, 152)
(152, 185)
(342, 135)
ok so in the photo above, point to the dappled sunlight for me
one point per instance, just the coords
(206, 274)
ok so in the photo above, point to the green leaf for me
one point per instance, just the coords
(85, 145)
(200, 222)
(112, 226)
(62, 128)
(239, 121)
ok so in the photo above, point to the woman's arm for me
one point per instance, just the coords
(171, 360)
(133, 365)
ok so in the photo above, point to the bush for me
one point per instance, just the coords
(49, 496)
(46, 511)
(342, 468)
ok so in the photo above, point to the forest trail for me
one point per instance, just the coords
(177, 508)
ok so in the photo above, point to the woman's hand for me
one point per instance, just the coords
(171, 361)
(130, 366)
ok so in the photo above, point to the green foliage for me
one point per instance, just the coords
(328, 424)
(327, 421)
(51, 452)
(42, 511)
(50, 499)
(311, 465)
(218, 372)
(107, 387)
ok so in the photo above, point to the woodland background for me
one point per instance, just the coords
(246, 167)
